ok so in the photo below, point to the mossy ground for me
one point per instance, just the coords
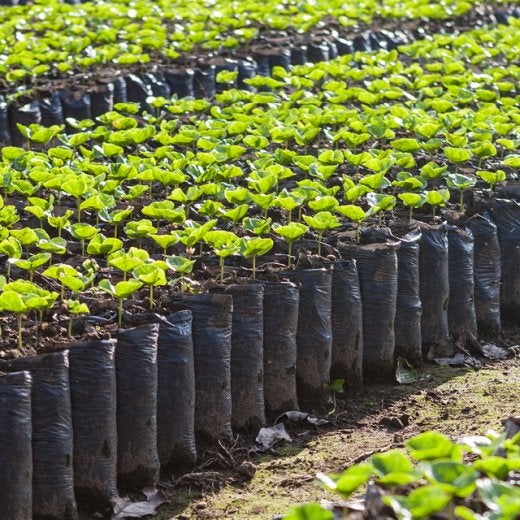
(454, 401)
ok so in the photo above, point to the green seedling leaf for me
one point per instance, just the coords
(31, 263)
(453, 477)
(180, 264)
(324, 203)
(493, 466)
(406, 145)
(11, 301)
(309, 512)
(349, 481)
(291, 232)
(82, 231)
(393, 461)
(513, 161)
(257, 226)
(431, 446)
(165, 241)
(437, 197)
(457, 155)
(122, 289)
(25, 236)
(191, 235)
(101, 245)
(139, 228)
(124, 261)
(251, 247)
(459, 181)
(11, 247)
(423, 502)
(375, 182)
(492, 178)
(322, 221)
(165, 210)
(150, 275)
(501, 497)
(75, 307)
(55, 245)
(432, 171)
(236, 214)
(353, 213)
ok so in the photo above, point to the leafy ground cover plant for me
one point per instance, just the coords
(474, 478)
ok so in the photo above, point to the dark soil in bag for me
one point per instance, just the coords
(317, 51)
(25, 114)
(176, 392)
(377, 268)
(506, 216)
(158, 85)
(299, 54)
(347, 325)
(136, 377)
(434, 283)
(487, 273)
(461, 303)
(314, 335)
(51, 110)
(408, 338)
(281, 302)
(204, 85)
(93, 397)
(76, 104)
(280, 58)
(137, 91)
(180, 81)
(246, 69)
(52, 438)
(247, 356)
(212, 323)
(16, 454)
(5, 133)
(102, 99)
(120, 94)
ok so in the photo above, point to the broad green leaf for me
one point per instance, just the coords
(492, 178)
(352, 212)
(393, 461)
(453, 477)
(322, 221)
(150, 274)
(406, 145)
(309, 512)
(430, 446)
(423, 502)
(349, 481)
(11, 301)
(180, 264)
(457, 155)
(76, 307)
(324, 203)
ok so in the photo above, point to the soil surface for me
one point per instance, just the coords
(453, 400)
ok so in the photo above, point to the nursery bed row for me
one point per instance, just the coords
(223, 361)
(330, 146)
(90, 93)
(56, 40)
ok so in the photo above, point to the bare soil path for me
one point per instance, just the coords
(454, 401)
